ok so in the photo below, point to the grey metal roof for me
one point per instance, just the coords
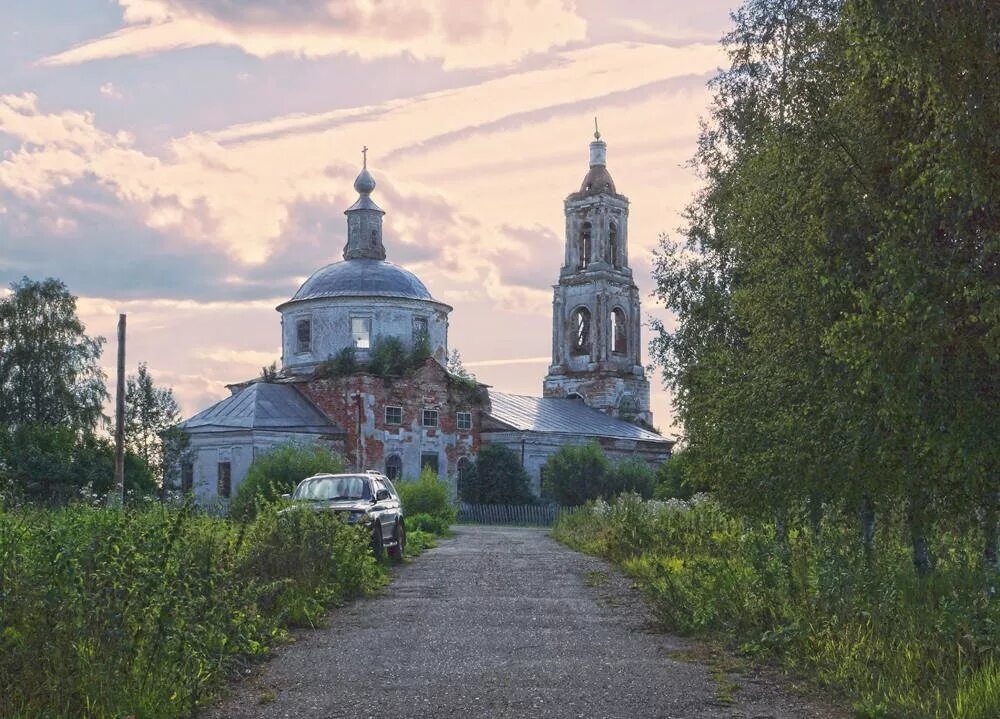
(563, 416)
(362, 278)
(263, 405)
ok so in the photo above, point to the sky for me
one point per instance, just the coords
(188, 162)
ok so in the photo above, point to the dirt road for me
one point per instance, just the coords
(500, 622)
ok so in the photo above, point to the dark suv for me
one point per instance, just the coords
(366, 498)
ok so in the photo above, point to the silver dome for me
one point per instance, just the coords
(362, 278)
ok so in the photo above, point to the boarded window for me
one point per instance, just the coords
(430, 418)
(303, 336)
(463, 420)
(394, 415)
(361, 332)
(187, 476)
(225, 485)
(393, 467)
(585, 244)
(580, 327)
(429, 460)
(619, 334)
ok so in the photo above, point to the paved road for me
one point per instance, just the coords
(497, 622)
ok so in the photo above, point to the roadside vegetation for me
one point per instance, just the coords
(863, 625)
(143, 611)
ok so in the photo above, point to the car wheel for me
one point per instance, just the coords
(378, 547)
(397, 551)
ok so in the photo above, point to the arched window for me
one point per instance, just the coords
(619, 333)
(580, 327)
(574, 395)
(613, 243)
(303, 336)
(393, 467)
(585, 243)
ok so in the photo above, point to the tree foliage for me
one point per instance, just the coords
(836, 289)
(496, 477)
(278, 471)
(49, 371)
(151, 413)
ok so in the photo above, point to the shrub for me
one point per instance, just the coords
(496, 477)
(342, 364)
(278, 472)
(631, 475)
(427, 495)
(575, 474)
(388, 357)
(674, 480)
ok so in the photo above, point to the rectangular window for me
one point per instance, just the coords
(394, 415)
(361, 331)
(303, 336)
(225, 485)
(429, 459)
(430, 418)
(419, 329)
(187, 476)
(464, 420)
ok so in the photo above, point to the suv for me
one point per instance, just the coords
(368, 499)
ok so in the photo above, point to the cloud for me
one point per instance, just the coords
(249, 358)
(458, 33)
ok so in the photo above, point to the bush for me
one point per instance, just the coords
(428, 495)
(278, 472)
(577, 474)
(164, 601)
(342, 364)
(496, 477)
(674, 480)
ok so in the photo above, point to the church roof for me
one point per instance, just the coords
(263, 405)
(562, 416)
(362, 278)
(597, 180)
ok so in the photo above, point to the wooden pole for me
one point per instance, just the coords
(120, 416)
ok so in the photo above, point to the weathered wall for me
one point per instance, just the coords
(357, 403)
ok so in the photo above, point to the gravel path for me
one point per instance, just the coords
(500, 622)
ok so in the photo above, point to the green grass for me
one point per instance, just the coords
(896, 644)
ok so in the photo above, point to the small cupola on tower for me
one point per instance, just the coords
(364, 220)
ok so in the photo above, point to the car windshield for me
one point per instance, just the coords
(322, 488)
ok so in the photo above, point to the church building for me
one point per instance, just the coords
(364, 350)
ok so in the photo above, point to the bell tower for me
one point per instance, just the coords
(596, 342)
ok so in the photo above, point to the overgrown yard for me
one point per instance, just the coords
(117, 612)
(898, 644)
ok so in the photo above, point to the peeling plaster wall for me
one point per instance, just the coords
(357, 403)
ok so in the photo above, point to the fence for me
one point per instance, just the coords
(543, 515)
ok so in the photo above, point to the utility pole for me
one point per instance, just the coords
(120, 416)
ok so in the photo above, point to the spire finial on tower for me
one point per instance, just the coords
(597, 133)
(364, 154)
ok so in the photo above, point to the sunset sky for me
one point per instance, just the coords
(188, 162)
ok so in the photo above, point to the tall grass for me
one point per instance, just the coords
(898, 644)
(117, 612)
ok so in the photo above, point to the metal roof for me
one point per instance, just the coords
(563, 416)
(263, 405)
(362, 278)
